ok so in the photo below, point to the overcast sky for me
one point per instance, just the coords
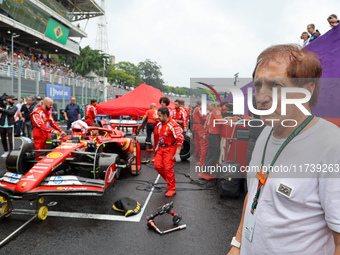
(205, 38)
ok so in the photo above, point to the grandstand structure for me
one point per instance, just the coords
(45, 27)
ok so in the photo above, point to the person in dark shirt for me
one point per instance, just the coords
(37, 101)
(311, 31)
(7, 125)
(25, 112)
(72, 112)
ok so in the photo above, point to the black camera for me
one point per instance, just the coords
(3, 100)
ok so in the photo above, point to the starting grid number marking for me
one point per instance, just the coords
(134, 218)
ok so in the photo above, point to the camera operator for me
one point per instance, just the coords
(7, 124)
(26, 110)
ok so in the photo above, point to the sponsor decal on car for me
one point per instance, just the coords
(67, 146)
(71, 188)
(27, 179)
(55, 155)
(48, 160)
(57, 180)
(40, 167)
(14, 178)
(35, 171)
(111, 175)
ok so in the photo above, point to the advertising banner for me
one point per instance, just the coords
(58, 92)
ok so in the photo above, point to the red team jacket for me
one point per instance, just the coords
(90, 114)
(42, 121)
(198, 117)
(180, 115)
(215, 114)
(169, 133)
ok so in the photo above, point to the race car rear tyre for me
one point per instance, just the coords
(4, 209)
(15, 161)
(42, 213)
(185, 152)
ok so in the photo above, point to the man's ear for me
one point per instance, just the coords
(310, 87)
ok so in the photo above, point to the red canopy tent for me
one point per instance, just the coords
(134, 103)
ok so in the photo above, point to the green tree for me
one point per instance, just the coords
(66, 60)
(88, 60)
(108, 69)
(131, 69)
(120, 77)
(151, 74)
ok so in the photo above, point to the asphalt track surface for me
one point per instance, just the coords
(89, 225)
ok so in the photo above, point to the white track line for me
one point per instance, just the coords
(140, 215)
(134, 218)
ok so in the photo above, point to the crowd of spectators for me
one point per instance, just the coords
(313, 33)
(33, 61)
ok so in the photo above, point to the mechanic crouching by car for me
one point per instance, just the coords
(170, 140)
(43, 124)
(7, 124)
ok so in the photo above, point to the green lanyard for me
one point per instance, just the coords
(261, 175)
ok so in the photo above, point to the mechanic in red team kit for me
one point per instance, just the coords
(198, 127)
(43, 124)
(180, 116)
(164, 101)
(170, 140)
(91, 112)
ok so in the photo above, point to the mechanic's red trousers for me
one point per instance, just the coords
(39, 137)
(204, 143)
(198, 133)
(164, 163)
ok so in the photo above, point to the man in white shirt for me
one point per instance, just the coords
(293, 200)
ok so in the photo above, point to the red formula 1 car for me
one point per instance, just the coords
(72, 165)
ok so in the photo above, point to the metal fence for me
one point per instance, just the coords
(23, 79)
